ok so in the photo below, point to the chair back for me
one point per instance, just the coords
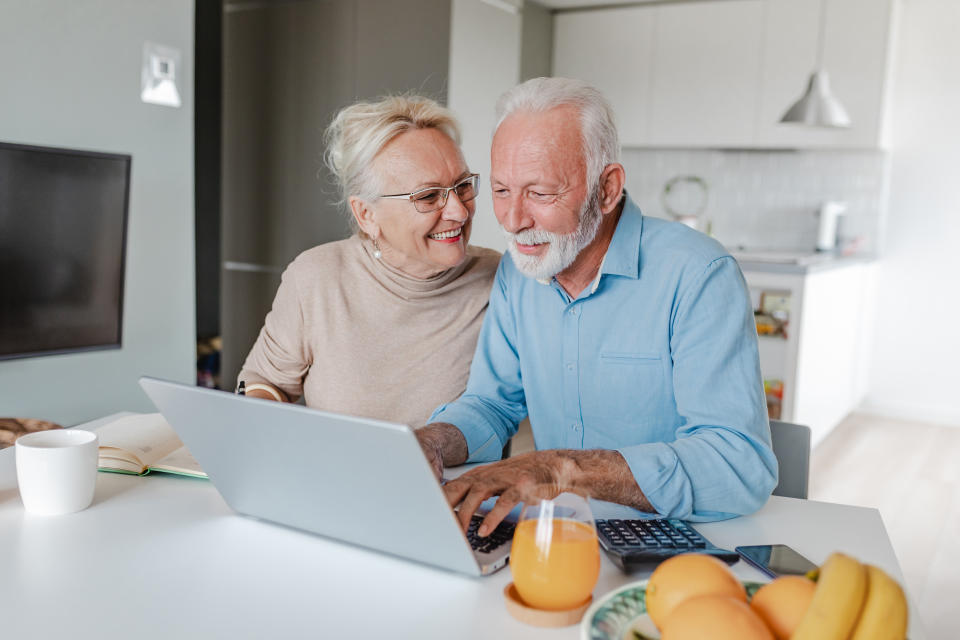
(791, 445)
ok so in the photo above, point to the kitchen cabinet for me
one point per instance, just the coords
(721, 74)
(856, 56)
(612, 49)
(315, 57)
(822, 360)
(705, 69)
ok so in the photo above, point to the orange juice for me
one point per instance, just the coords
(561, 571)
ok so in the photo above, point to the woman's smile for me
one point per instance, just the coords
(450, 236)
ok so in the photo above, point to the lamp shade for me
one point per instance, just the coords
(818, 107)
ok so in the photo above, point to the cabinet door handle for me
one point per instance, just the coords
(250, 267)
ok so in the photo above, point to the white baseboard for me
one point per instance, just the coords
(941, 415)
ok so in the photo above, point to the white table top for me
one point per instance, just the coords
(164, 557)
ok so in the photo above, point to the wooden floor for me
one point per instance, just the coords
(911, 473)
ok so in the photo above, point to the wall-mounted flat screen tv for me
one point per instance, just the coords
(63, 221)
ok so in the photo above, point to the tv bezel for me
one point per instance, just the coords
(128, 162)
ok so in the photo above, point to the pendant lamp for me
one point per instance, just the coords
(818, 107)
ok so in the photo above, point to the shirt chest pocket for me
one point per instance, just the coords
(634, 359)
(630, 387)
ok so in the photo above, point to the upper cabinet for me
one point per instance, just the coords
(705, 68)
(612, 49)
(856, 53)
(721, 74)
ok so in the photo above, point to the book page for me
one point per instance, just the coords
(180, 461)
(138, 440)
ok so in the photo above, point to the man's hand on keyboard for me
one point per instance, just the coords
(528, 478)
(543, 475)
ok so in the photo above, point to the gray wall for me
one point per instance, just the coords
(536, 41)
(71, 78)
(287, 68)
(485, 52)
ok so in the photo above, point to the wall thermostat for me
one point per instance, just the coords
(158, 78)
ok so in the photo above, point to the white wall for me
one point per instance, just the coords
(484, 62)
(71, 78)
(917, 349)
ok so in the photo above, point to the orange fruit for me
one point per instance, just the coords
(686, 576)
(783, 603)
(716, 618)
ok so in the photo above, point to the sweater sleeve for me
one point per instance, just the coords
(278, 356)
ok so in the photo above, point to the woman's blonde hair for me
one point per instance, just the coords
(360, 131)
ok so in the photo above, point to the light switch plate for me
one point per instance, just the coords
(158, 76)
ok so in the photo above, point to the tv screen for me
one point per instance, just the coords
(63, 219)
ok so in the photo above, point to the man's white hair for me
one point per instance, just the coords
(598, 129)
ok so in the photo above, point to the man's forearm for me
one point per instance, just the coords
(446, 441)
(601, 474)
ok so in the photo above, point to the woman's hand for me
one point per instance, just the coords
(265, 391)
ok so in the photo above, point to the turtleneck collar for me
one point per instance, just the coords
(401, 283)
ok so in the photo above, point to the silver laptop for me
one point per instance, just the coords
(356, 480)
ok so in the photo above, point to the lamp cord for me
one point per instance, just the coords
(821, 34)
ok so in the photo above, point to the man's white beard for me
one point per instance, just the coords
(563, 248)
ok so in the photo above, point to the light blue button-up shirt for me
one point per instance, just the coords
(658, 360)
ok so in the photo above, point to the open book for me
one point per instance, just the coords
(142, 443)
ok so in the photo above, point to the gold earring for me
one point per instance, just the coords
(376, 249)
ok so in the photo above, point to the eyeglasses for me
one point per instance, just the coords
(433, 198)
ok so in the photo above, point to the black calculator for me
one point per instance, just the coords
(642, 544)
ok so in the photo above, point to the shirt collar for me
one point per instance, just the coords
(623, 255)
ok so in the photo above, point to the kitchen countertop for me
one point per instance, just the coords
(794, 262)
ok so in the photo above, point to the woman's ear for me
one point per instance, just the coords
(364, 216)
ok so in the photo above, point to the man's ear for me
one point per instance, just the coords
(364, 216)
(612, 179)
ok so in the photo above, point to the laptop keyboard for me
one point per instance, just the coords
(503, 533)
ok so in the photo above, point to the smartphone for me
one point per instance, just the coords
(776, 560)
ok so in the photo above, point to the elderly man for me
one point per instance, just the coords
(628, 340)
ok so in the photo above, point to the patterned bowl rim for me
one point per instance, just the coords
(611, 600)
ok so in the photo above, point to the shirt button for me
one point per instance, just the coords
(571, 366)
(573, 311)
(575, 426)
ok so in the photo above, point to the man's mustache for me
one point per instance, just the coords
(532, 236)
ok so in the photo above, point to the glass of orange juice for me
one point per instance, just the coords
(555, 557)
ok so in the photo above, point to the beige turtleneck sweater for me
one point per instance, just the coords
(353, 335)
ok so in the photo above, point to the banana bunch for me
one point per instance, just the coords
(854, 601)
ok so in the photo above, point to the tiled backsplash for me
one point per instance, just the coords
(767, 199)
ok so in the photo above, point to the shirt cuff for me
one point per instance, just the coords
(660, 474)
(483, 443)
(655, 467)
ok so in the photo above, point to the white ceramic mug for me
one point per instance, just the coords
(57, 470)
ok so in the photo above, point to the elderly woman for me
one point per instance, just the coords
(383, 324)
